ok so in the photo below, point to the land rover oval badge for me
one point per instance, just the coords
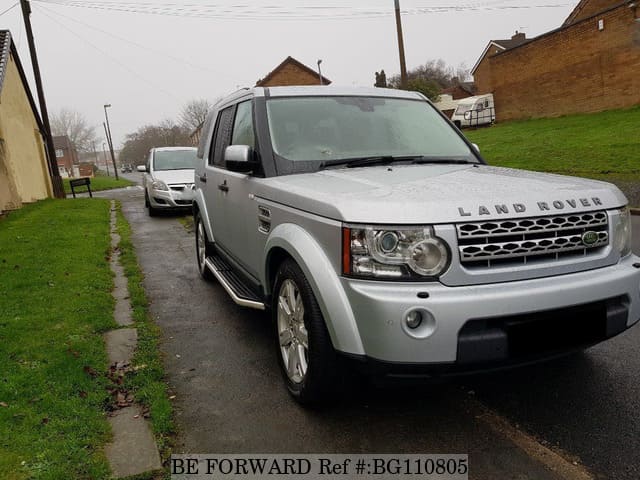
(589, 238)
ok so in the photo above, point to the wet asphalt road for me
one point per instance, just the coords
(587, 405)
(221, 365)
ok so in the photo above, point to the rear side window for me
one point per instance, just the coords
(243, 125)
(222, 136)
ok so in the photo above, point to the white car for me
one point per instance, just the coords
(168, 181)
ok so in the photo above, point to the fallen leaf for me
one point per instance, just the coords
(90, 371)
(2, 404)
(82, 394)
(136, 416)
(172, 397)
(45, 420)
(177, 355)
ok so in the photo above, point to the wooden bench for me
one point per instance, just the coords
(80, 182)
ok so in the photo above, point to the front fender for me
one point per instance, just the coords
(333, 302)
(204, 213)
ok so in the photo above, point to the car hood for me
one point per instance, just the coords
(413, 194)
(171, 177)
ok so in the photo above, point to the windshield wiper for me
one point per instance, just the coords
(365, 161)
(388, 159)
(446, 160)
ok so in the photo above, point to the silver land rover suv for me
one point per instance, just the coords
(377, 236)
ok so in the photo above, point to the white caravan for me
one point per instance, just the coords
(474, 111)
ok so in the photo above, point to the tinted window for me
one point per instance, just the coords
(222, 136)
(174, 159)
(243, 125)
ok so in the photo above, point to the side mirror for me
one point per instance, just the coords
(239, 158)
(141, 168)
(475, 145)
(467, 115)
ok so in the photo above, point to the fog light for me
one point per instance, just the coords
(413, 319)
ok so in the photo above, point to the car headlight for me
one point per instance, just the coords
(623, 232)
(400, 253)
(159, 185)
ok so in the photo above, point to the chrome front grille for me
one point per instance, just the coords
(531, 240)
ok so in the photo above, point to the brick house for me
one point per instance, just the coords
(66, 156)
(24, 170)
(481, 71)
(460, 90)
(589, 64)
(292, 72)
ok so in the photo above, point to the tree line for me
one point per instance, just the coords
(168, 133)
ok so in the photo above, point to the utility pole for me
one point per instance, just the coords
(56, 180)
(104, 157)
(403, 65)
(108, 129)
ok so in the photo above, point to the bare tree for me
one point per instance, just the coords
(73, 124)
(165, 134)
(194, 113)
(432, 77)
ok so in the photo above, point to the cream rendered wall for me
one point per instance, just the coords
(22, 154)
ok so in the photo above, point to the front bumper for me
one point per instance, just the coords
(498, 323)
(171, 198)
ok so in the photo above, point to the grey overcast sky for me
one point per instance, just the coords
(149, 57)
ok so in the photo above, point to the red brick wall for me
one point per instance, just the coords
(482, 75)
(577, 69)
(591, 8)
(291, 75)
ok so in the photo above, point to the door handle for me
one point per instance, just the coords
(223, 186)
(203, 178)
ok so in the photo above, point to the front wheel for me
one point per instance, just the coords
(305, 353)
(153, 212)
(201, 248)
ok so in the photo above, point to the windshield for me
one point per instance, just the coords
(174, 159)
(334, 128)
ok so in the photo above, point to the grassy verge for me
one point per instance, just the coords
(147, 380)
(602, 145)
(55, 299)
(100, 182)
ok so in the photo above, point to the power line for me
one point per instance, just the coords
(9, 9)
(144, 47)
(273, 12)
(133, 72)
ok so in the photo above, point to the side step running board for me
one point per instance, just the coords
(232, 283)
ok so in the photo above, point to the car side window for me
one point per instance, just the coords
(243, 125)
(222, 136)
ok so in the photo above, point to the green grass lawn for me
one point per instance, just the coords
(55, 303)
(100, 182)
(604, 146)
(55, 300)
(594, 144)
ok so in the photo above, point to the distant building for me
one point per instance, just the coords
(292, 72)
(24, 171)
(66, 156)
(591, 63)
(481, 71)
(460, 90)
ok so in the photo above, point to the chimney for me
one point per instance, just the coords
(521, 37)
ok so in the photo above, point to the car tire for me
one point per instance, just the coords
(202, 248)
(153, 212)
(309, 368)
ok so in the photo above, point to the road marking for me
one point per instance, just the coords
(559, 463)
